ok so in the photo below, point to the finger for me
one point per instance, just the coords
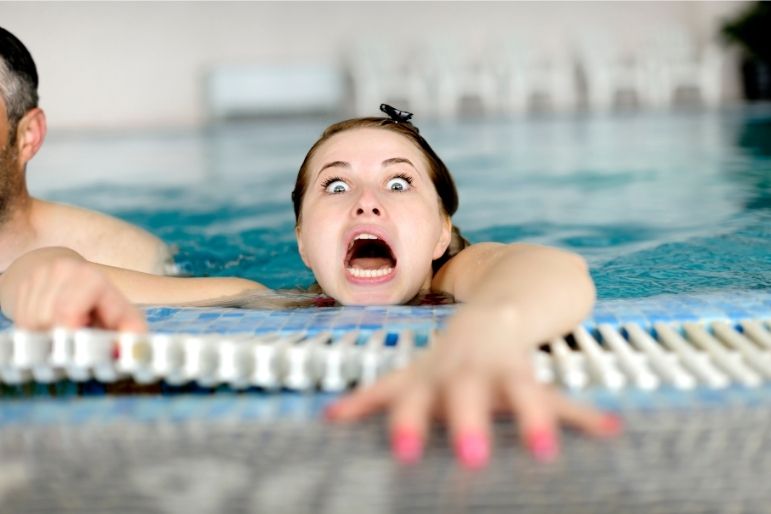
(114, 312)
(20, 311)
(46, 291)
(80, 298)
(366, 400)
(32, 312)
(585, 418)
(467, 405)
(409, 422)
(91, 298)
(73, 306)
(535, 416)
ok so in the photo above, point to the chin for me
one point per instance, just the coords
(370, 298)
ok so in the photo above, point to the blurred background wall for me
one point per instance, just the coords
(179, 64)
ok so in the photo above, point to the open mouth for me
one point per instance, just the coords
(369, 256)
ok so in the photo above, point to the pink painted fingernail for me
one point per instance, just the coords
(472, 449)
(406, 445)
(543, 445)
(611, 425)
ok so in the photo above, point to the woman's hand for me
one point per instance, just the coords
(472, 370)
(57, 287)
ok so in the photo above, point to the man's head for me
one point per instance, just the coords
(18, 81)
(22, 123)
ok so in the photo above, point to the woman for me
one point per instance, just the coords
(373, 205)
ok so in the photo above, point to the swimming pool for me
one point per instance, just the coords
(658, 203)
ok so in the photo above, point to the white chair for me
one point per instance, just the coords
(609, 71)
(674, 62)
(453, 72)
(526, 73)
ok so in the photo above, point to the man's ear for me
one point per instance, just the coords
(30, 134)
(444, 238)
(297, 233)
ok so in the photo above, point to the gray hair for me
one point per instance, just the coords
(19, 93)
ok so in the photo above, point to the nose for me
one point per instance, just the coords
(361, 211)
(368, 204)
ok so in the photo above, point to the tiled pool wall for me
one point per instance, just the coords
(726, 305)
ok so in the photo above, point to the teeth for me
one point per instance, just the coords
(369, 273)
(362, 236)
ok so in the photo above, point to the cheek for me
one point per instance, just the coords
(420, 239)
(317, 241)
(312, 248)
(433, 220)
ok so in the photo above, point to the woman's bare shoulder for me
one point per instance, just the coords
(459, 265)
(462, 270)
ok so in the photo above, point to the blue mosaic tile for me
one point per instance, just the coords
(603, 316)
(684, 316)
(657, 316)
(733, 305)
(391, 339)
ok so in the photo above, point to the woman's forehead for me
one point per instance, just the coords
(368, 144)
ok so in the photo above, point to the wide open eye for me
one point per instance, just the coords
(335, 186)
(398, 184)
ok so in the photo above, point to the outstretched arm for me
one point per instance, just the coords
(515, 297)
(53, 286)
(538, 291)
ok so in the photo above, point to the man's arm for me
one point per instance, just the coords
(51, 288)
(46, 286)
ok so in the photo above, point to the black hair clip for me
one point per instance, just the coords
(395, 114)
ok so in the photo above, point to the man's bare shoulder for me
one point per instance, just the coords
(100, 238)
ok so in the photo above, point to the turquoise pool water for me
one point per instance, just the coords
(657, 203)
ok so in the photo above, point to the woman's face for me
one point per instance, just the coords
(371, 222)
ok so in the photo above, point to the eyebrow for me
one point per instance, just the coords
(397, 160)
(334, 164)
(385, 163)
